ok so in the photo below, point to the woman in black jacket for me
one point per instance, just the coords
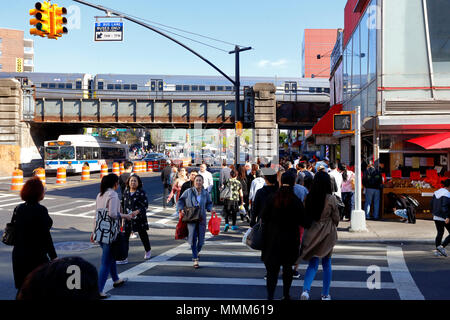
(135, 201)
(33, 244)
(281, 217)
(441, 215)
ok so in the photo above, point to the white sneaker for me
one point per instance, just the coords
(148, 255)
(328, 297)
(133, 236)
(441, 249)
(122, 261)
(304, 296)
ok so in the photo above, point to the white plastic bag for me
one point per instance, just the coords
(244, 238)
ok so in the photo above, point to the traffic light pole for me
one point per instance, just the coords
(237, 103)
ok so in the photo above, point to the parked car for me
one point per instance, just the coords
(155, 157)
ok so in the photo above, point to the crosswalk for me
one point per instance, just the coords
(231, 271)
(158, 216)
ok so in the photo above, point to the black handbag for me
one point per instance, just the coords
(119, 247)
(255, 237)
(191, 214)
(9, 235)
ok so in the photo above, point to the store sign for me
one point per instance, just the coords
(19, 65)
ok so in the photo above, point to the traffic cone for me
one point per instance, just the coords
(116, 168)
(40, 173)
(149, 166)
(104, 170)
(85, 174)
(61, 175)
(17, 180)
(121, 168)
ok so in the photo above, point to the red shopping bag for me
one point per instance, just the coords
(214, 224)
(181, 231)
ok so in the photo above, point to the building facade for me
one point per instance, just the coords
(317, 42)
(393, 60)
(16, 53)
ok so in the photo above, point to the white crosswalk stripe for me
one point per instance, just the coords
(234, 259)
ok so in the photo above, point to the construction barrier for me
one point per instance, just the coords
(136, 167)
(121, 168)
(142, 163)
(85, 173)
(156, 166)
(61, 175)
(162, 164)
(149, 166)
(17, 180)
(104, 170)
(116, 169)
(186, 163)
(40, 173)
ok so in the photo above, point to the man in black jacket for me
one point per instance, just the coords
(372, 182)
(128, 167)
(165, 178)
(190, 183)
(440, 205)
(262, 195)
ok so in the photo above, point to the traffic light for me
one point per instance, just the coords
(57, 21)
(41, 20)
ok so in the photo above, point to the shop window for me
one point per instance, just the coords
(356, 62)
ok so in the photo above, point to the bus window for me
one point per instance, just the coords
(88, 152)
(80, 153)
(66, 153)
(51, 153)
(96, 153)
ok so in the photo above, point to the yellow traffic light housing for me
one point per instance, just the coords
(57, 21)
(41, 20)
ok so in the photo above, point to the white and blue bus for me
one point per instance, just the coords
(74, 151)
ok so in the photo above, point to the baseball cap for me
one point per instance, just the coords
(168, 162)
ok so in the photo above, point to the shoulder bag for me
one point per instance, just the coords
(255, 237)
(9, 234)
(106, 228)
(192, 214)
(226, 192)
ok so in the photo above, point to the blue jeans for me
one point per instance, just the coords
(196, 244)
(311, 274)
(108, 266)
(372, 195)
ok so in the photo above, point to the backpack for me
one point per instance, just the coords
(226, 192)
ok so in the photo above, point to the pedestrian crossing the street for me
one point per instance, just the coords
(231, 271)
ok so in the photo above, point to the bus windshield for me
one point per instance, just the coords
(59, 153)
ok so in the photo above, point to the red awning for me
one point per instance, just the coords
(325, 124)
(435, 141)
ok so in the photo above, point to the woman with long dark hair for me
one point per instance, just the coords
(135, 201)
(321, 234)
(281, 219)
(109, 199)
(242, 177)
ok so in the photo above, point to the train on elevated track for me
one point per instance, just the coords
(142, 86)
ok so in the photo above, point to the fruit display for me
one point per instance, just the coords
(421, 185)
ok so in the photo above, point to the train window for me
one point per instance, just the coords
(286, 87)
(185, 88)
(134, 87)
(178, 87)
(160, 86)
(319, 90)
(294, 87)
(219, 88)
(52, 85)
(78, 85)
(326, 90)
(201, 88)
(110, 87)
(312, 90)
(126, 87)
(153, 85)
(100, 85)
(61, 85)
(212, 88)
(68, 86)
(194, 88)
(44, 85)
(117, 86)
(228, 88)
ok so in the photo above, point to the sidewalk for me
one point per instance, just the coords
(423, 232)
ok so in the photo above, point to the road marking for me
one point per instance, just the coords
(171, 218)
(173, 298)
(62, 205)
(70, 215)
(404, 282)
(250, 282)
(10, 204)
(362, 248)
(10, 199)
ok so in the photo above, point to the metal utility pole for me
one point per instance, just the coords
(237, 98)
(358, 218)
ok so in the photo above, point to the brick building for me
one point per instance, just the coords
(16, 53)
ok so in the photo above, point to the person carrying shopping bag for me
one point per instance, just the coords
(135, 202)
(196, 200)
(108, 202)
(320, 236)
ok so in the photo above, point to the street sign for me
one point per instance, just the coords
(121, 130)
(342, 122)
(108, 31)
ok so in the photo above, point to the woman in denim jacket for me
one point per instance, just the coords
(193, 197)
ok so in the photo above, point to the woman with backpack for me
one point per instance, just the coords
(441, 215)
(231, 205)
(108, 199)
(320, 236)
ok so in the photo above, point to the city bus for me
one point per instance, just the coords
(74, 151)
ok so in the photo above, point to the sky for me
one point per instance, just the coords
(274, 30)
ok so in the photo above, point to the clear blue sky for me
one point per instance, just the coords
(274, 29)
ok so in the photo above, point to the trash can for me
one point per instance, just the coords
(215, 194)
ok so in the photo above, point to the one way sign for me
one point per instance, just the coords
(109, 31)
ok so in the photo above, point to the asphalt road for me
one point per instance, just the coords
(229, 270)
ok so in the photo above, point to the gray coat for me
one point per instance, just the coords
(189, 199)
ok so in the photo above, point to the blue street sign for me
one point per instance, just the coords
(108, 31)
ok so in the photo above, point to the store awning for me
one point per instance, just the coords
(325, 124)
(435, 141)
